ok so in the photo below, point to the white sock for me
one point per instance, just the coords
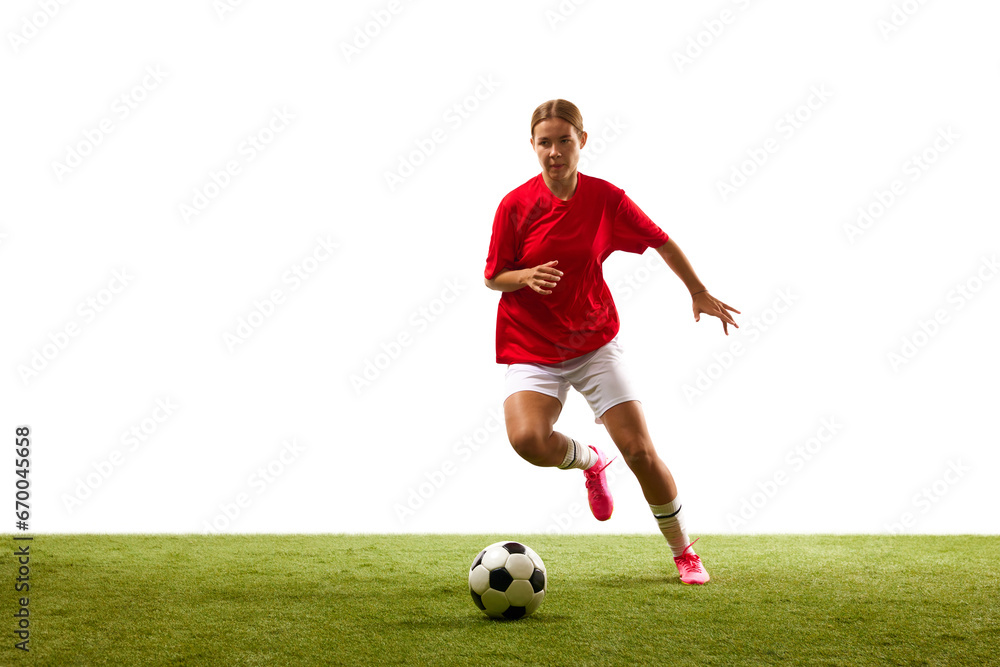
(578, 456)
(670, 519)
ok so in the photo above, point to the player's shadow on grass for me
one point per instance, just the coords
(652, 581)
(481, 620)
(534, 619)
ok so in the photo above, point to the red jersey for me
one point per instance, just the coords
(531, 227)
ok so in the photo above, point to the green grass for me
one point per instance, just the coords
(612, 600)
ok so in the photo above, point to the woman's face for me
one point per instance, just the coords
(558, 148)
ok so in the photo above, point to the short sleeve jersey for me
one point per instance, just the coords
(532, 227)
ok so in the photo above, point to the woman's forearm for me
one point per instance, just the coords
(679, 264)
(507, 281)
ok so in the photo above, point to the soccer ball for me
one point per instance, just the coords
(507, 580)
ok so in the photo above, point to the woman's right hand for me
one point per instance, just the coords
(543, 277)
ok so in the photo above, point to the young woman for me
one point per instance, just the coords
(557, 324)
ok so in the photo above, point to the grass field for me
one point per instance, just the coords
(612, 600)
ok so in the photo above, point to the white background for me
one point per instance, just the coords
(394, 455)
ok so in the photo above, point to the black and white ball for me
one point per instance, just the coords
(507, 580)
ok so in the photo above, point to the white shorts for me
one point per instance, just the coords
(599, 375)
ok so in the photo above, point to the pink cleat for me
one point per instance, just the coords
(601, 502)
(690, 567)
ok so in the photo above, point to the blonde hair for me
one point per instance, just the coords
(558, 109)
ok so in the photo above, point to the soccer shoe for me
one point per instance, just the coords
(598, 493)
(690, 567)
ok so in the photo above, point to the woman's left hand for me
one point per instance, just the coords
(703, 302)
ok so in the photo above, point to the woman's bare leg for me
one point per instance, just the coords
(626, 425)
(530, 418)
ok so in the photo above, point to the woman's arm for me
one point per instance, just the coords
(541, 278)
(679, 264)
(507, 281)
(702, 301)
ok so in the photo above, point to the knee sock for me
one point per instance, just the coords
(578, 456)
(670, 518)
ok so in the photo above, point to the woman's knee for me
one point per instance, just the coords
(638, 454)
(530, 417)
(529, 443)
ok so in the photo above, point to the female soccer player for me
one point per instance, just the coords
(552, 235)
